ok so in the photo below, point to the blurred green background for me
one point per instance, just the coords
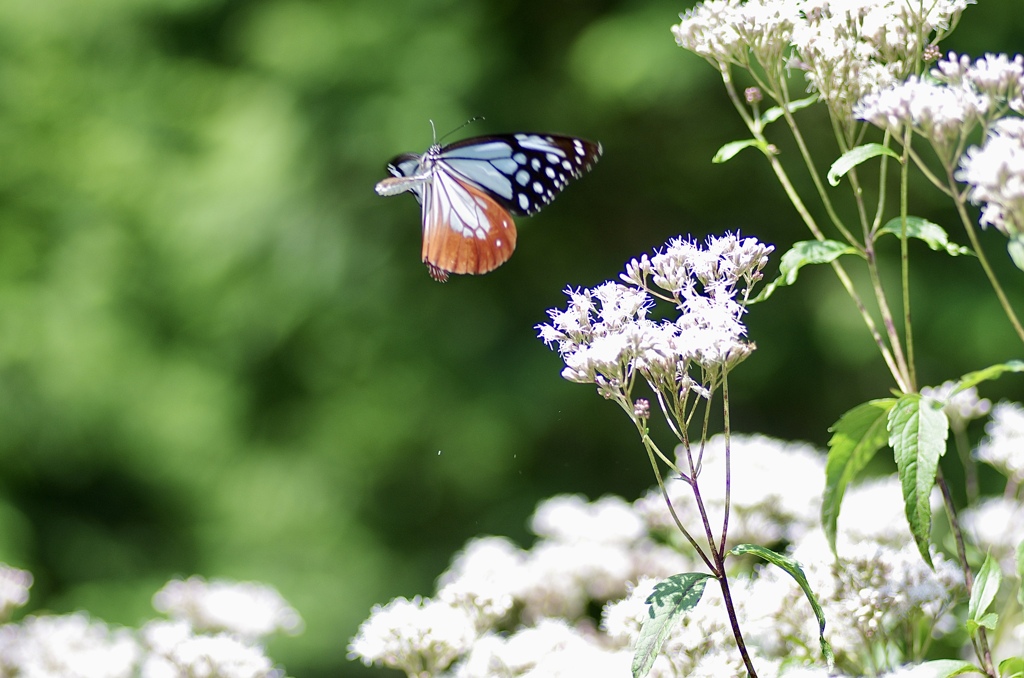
(220, 353)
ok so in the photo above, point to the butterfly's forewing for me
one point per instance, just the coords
(522, 172)
(464, 229)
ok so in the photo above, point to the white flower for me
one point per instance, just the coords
(1003, 448)
(70, 646)
(994, 75)
(605, 337)
(415, 636)
(247, 609)
(775, 495)
(540, 650)
(874, 594)
(175, 651)
(571, 518)
(995, 173)
(940, 113)
(484, 578)
(850, 48)
(997, 526)
(14, 586)
(961, 407)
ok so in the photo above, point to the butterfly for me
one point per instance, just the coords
(469, 190)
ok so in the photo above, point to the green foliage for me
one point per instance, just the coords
(855, 156)
(793, 569)
(918, 429)
(671, 599)
(930, 233)
(855, 438)
(986, 586)
(802, 254)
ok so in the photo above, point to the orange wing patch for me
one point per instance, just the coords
(464, 230)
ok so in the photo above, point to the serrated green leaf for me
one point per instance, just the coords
(856, 437)
(928, 232)
(947, 668)
(918, 429)
(801, 254)
(1012, 667)
(987, 374)
(986, 585)
(726, 152)
(796, 572)
(855, 156)
(775, 112)
(669, 601)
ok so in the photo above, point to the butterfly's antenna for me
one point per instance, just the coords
(433, 132)
(468, 122)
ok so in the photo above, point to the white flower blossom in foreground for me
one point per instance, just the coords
(995, 174)
(247, 609)
(420, 637)
(174, 651)
(70, 646)
(14, 586)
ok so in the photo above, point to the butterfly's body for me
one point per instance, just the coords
(470, 189)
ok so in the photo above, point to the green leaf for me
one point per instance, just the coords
(1012, 667)
(856, 437)
(986, 585)
(803, 253)
(775, 112)
(855, 156)
(989, 620)
(987, 374)
(793, 568)
(669, 601)
(726, 152)
(928, 232)
(1015, 248)
(918, 429)
(1020, 573)
(947, 668)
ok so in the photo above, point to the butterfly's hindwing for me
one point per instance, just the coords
(464, 229)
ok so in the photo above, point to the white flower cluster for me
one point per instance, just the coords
(774, 499)
(503, 611)
(14, 586)
(996, 525)
(960, 407)
(1003, 448)
(847, 48)
(246, 609)
(945, 106)
(75, 646)
(938, 112)
(605, 337)
(995, 174)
